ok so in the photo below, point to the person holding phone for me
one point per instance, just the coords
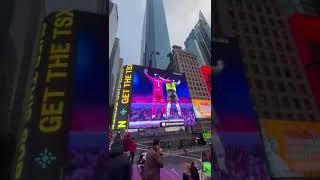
(153, 162)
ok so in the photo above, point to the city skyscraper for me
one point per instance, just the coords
(278, 85)
(155, 44)
(199, 41)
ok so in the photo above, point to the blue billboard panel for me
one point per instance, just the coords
(237, 141)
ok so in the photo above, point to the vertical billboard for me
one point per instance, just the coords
(237, 142)
(305, 32)
(69, 78)
(292, 147)
(150, 97)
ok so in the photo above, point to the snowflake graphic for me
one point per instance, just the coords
(45, 158)
(123, 112)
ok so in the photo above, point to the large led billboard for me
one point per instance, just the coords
(150, 97)
(66, 113)
(292, 147)
(236, 137)
(202, 108)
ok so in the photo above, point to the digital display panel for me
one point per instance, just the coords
(202, 108)
(292, 147)
(150, 97)
(236, 137)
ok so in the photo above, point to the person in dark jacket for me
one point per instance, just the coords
(127, 142)
(153, 162)
(119, 166)
(133, 148)
(194, 172)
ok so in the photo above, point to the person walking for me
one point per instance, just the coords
(133, 148)
(186, 170)
(119, 166)
(127, 142)
(153, 162)
(194, 172)
(206, 169)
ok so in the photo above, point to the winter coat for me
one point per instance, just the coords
(152, 166)
(119, 165)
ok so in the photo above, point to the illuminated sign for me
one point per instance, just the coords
(149, 97)
(202, 108)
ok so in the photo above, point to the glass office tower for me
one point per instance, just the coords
(155, 38)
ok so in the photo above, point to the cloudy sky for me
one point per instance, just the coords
(181, 15)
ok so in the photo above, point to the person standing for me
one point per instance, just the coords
(172, 96)
(186, 171)
(206, 169)
(194, 172)
(133, 148)
(119, 166)
(157, 93)
(127, 142)
(153, 162)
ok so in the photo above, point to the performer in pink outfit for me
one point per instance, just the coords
(157, 95)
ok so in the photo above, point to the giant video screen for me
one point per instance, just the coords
(150, 97)
(237, 142)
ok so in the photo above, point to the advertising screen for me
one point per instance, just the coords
(150, 97)
(292, 147)
(237, 142)
(202, 108)
(67, 108)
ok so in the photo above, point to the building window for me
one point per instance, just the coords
(242, 16)
(262, 20)
(258, 84)
(271, 22)
(290, 116)
(259, 43)
(281, 87)
(292, 87)
(266, 32)
(307, 104)
(255, 68)
(261, 100)
(245, 28)
(248, 40)
(276, 34)
(258, 8)
(288, 47)
(252, 18)
(266, 70)
(311, 117)
(269, 44)
(255, 30)
(279, 46)
(275, 101)
(303, 88)
(288, 73)
(273, 58)
(252, 53)
(278, 115)
(285, 102)
(277, 71)
(268, 10)
(270, 85)
(296, 103)
(231, 14)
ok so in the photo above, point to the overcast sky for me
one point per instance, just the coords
(181, 15)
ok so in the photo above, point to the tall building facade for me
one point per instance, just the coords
(114, 50)
(155, 44)
(269, 57)
(116, 71)
(185, 62)
(199, 41)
